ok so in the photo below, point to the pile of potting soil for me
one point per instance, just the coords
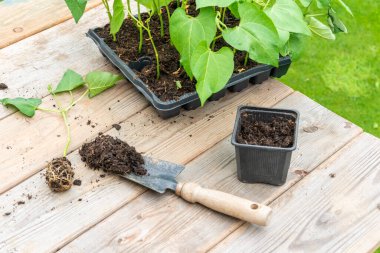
(279, 132)
(113, 156)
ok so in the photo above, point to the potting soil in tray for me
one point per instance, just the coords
(278, 132)
(112, 155)
(165, 88)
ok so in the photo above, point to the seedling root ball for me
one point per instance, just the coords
(59, 174)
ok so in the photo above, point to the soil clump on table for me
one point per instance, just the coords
(277, 132)
(113, 156)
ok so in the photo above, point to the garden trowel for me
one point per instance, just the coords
(162, 175)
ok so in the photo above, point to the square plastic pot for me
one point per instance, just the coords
(263, 164)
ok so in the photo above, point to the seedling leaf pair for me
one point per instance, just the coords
(187, 32)
(76, 8)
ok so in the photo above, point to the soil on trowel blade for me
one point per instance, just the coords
(278, 132)
(113, 156)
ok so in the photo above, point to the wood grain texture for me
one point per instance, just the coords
(169, 224)
(21, 19)
(61, 217)
(27, 67)
(334, 209)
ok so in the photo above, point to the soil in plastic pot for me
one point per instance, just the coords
(278, 132)
(171, 74)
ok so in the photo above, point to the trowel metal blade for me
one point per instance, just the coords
(161, 175)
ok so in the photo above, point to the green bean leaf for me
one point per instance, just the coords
(26, 106)
(70, 81)
(98, 82)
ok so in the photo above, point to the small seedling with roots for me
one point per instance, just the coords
(59, 172)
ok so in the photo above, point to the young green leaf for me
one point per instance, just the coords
(321, 29)
(70, 81)
(212, 3)
(305, 3)
(335, 23)
(345, 6)
(187, 32)
(76, 8)
(154, 5)
(287, 17)
(255, 34)
(98, 82)
(234, 10)
(117, 16)
(294, 46)
(26, 106)
(211, 69)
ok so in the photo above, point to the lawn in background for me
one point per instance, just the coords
(344, 75)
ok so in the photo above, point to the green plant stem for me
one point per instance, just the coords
(246, 59)
(155, 51)
(168, 12)
(223, 13)
(76, 101)
(68, 140)
(161, 24)
(105, 3)
(141, 39)
(48, 110)
(184, 3)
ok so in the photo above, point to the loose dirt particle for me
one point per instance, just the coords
(88, 122)
(332, 175)
(116, 126)
(3, 86)
(276, 132)
(112, 155)
(59, 174)
(79, 199)
(21, 202)
(102, 175)
(77, 182)
(29, 196)
(7, 214)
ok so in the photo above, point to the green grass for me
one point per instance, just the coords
(343, 75)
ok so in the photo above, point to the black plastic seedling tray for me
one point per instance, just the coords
(188, 101)
(263, 164)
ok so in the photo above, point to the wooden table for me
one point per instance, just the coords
(330, 202)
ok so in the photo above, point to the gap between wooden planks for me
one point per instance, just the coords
(193, 228)
(334, 209)
(21, 19)
(51, 215)
(27, 67)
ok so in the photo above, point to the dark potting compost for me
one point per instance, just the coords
(59, 174)
(113, 156)
(278, 131)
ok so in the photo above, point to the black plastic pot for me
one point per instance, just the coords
(263, 164)
(188, 101)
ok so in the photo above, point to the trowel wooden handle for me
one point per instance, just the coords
(225, 203)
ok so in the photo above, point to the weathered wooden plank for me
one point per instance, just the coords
(21, 19)
(28, 144)
(158, 224)
(28, 66)
(61, 217)
(334, 209)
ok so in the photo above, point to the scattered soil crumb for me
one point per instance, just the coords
(88, 122)
(102, 175)
(332, 175)
(21, 202)
(116, 126)
(77, 182)
(302, 173)
(29, 196)
(79, 199)
(278, 131)
(112, 155)
(3, 86)
(7, 214)
(59, 174)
